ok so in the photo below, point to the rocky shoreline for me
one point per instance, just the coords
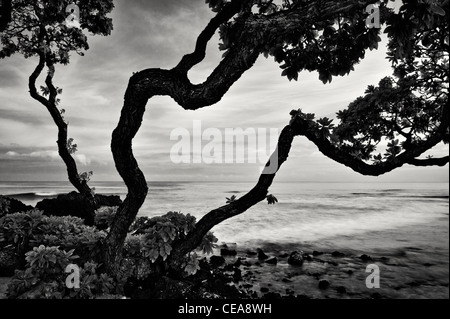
(233, 273)
(257, 274)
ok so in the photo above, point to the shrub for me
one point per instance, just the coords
(153, 238)
(28, 230)
(104, 217)
(19, 228)
(44, 265)
(44, 277)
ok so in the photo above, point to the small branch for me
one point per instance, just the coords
(430, 161)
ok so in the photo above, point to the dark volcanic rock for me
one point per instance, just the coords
(237, 275)
(296, 258)
(365, 258)
(317, 253)
(217, 261)
(228, 252)
(376, 295)
(341, 290)
(72, 204)
(324, 284)
(75, 204)
(108, 200)
(11, 206)
(272, 261)
(238, 262)
(261, 254)
(272, 295)
(337, 254)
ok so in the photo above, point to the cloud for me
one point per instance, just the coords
(9, 77)
(156, 34)
(45, 155)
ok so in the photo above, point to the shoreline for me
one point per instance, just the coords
(341, 274)
(322, 275)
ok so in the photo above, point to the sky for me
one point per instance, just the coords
(156, 34)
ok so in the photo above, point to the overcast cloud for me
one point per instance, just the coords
(158, 33)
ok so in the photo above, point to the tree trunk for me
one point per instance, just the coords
(51, 105)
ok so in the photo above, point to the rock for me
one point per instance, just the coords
(216, 261)
(296, 258)
(75, 204)
(272, 261)
(324, 284)
(376, 295)
(286, 280)
(238, 262)
(316, 275)
(237, 275)
(264, 290)
(317, 253)
(289, 291)
(229, 267)
(261, 254)
(108, 200)
(72, 204)
(11, 206)
(337, 254)
(366, 258)
(251, 253)
(307, 257)
(350, 272)
(333, 263)
(341, 290)
(272, 295)
(228, 252)
(9, 261)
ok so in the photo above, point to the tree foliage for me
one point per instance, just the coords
(410, 108)
(40, 26)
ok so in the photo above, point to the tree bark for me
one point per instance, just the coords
(50, 104)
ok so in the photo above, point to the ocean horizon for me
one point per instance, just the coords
(307, 211)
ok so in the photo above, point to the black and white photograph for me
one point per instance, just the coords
(217, 158)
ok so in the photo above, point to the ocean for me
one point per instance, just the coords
(406, 224)
(347, 213)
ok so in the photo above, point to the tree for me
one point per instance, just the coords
(409, 110)
(50, 30)
(5, 13)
